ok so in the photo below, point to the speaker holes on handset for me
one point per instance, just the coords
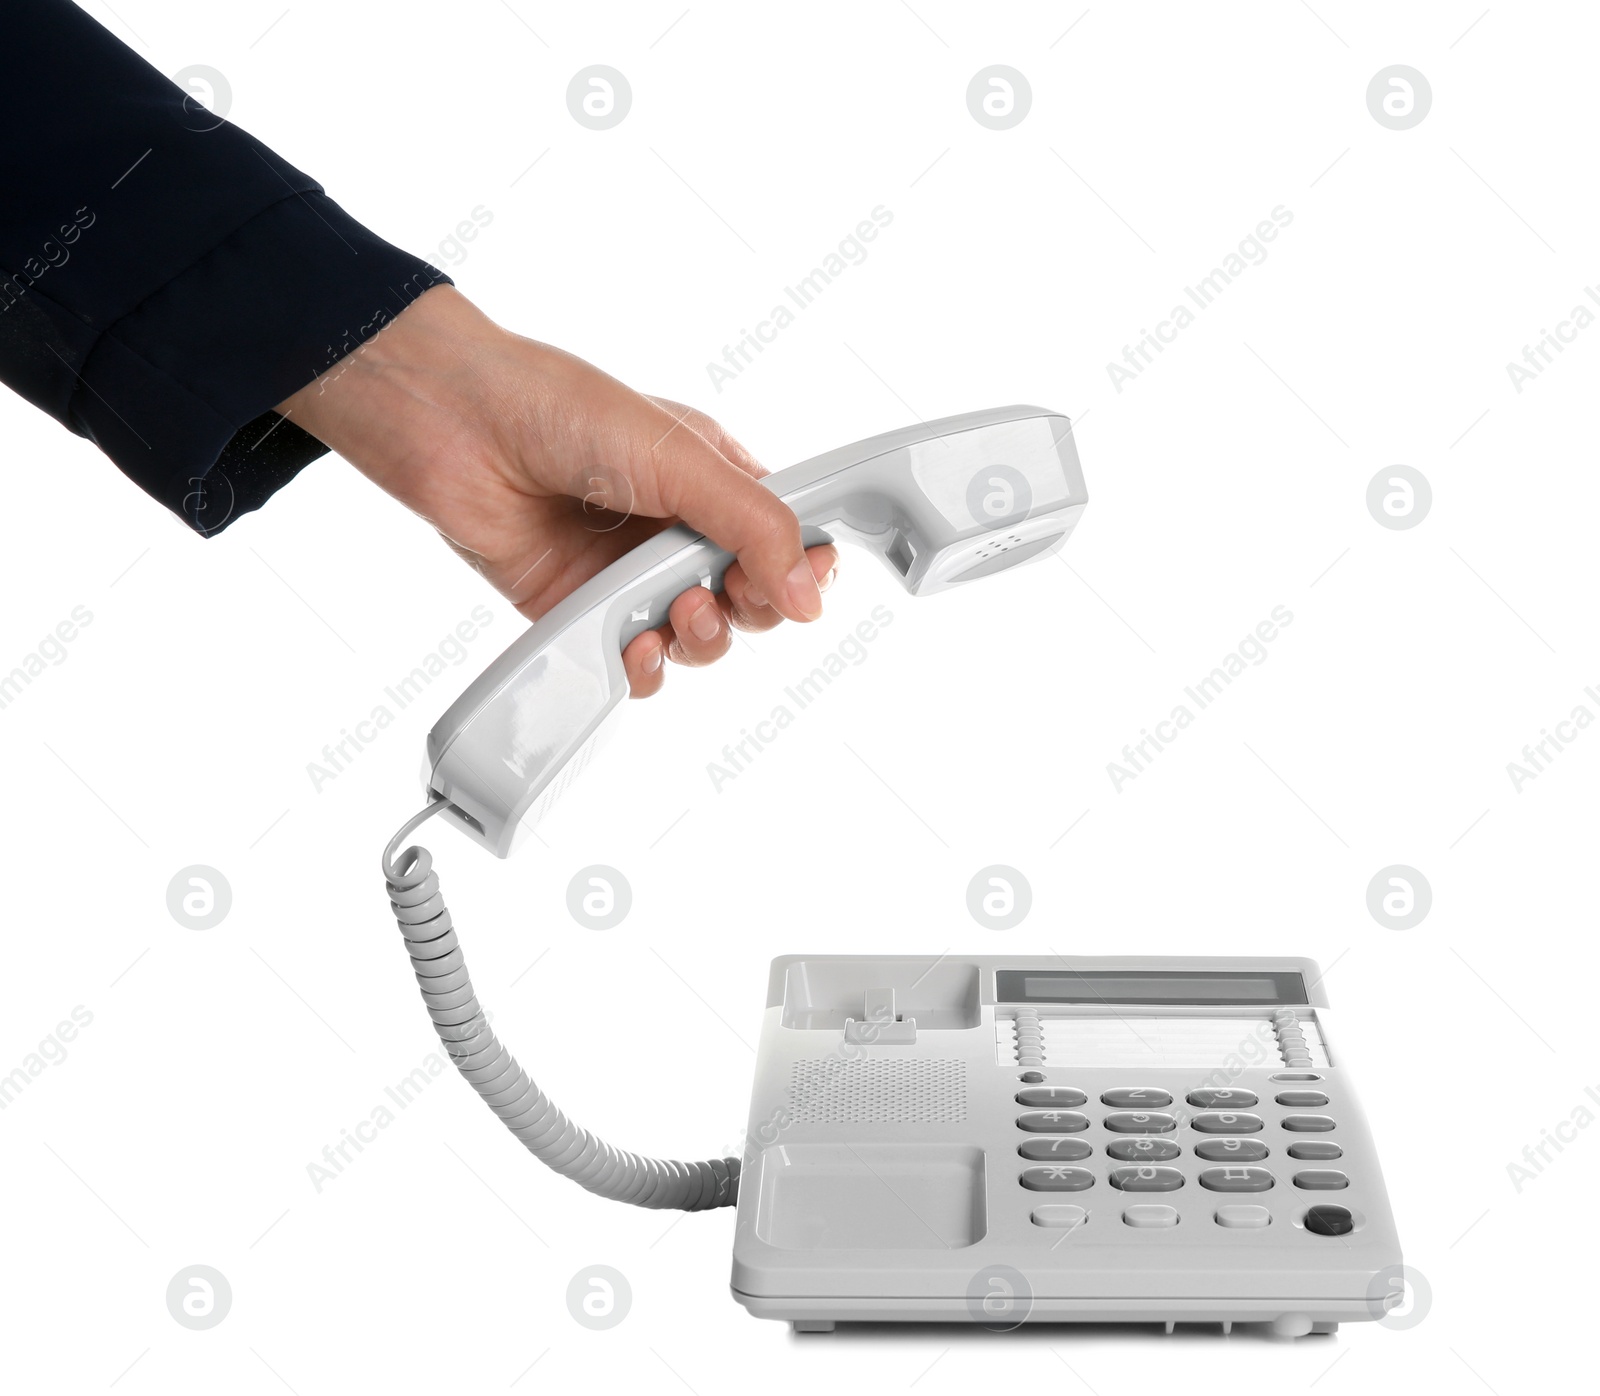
(1000, 543)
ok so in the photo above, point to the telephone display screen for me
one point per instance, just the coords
(1149, 986)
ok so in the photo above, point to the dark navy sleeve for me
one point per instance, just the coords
(165, 279)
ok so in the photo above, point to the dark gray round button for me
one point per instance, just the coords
(1056, 1150)
(1321, 1180)
(1236, 1179)
(1307, 1124)
(1226, 1122)
(1231, 1150)
(1063, 1097)
(1056, 1178)
(1329, 1221)
(1140, 1122)
(1143, 1150)
(1136, 1098)
(1033, 1076)
(1302, 1099)
(1052, 1121)
(1146, 1179)
(1225, 1098)
(1312, 1149)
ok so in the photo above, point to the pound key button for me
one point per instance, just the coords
(1236, 1179)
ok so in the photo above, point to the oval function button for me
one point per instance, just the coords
(1313, 1149)
(1329, 1221)
(1056, 1150)
(1236, 1179)
(1295, 1076)
(1052, 1122)
(1300, 1099)
(1321, 1180)
(1136, 1097)
(1151, 1214)
(1146, 1179)
(1056, 1178)
(1140, 1122)
(1062, 1097)
(1145, 1150)
(1231, 1150)
(1307, 1124)
(1059, 1214)
(1227, 1122)
(1243, 1214)
(1227, 1098)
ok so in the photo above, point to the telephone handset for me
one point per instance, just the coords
(941, 503)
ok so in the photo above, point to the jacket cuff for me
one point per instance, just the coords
(179, 392)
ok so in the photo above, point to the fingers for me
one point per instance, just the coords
(700, 625)
(711, 493)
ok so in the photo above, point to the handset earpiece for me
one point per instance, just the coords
(940, 503)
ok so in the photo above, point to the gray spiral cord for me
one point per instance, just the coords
(494, 1074)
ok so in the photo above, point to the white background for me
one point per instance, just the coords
(1228, 479)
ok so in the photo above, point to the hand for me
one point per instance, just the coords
(539, 470)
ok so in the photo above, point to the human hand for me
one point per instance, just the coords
(539, 470)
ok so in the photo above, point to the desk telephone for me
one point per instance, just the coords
(979, 1139)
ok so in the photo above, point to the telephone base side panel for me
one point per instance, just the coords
(1122, 1139)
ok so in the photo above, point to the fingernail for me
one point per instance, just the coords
(828, 578)
(706, 622)
(652, 661)
(754, 596)
(803, 593)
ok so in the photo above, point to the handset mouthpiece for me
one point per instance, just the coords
(941, 503)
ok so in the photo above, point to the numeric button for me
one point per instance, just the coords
(1140, 1122)
(1062, 1097)
(1052, 1121)
(1227, 1122)
(1136, 1098)
(1231, 1150)
(1056, 1150)
(1146, 1179)
(1056, 1178)
(1236, 1179)
(1145, 1150)
(1223, 1098)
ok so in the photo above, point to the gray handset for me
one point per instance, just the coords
(941, 503)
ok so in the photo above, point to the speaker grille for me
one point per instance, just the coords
(827, 1090)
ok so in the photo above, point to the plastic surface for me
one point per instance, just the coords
(940, 503)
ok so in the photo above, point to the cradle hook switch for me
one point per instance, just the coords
(879, 1023)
